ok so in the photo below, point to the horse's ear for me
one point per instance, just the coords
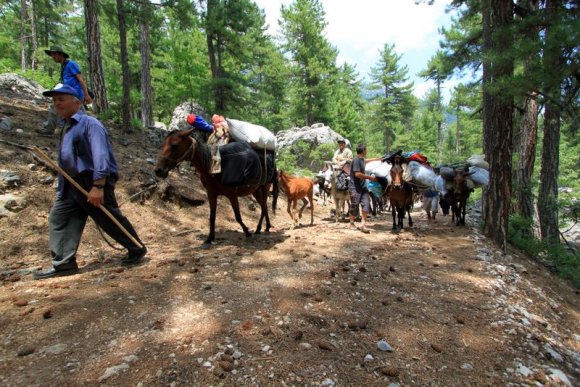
(187, 133)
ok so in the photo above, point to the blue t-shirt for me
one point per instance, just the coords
(69, 72)
(86, 148)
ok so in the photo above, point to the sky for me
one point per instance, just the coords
(359, 29)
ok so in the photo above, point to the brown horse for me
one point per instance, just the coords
(186, 145)
(400, 194)
(297, 188)
(458, 195)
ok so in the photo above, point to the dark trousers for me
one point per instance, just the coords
(68, 217)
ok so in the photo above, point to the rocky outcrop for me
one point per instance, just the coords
(180, 113)
(314, 135)
(14, 85)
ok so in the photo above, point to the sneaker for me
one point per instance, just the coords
(134, 257)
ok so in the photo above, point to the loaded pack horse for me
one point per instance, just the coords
(400, 194)
(341, 197)
(190, 145)
(457, 196)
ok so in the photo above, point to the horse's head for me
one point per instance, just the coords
(459, 182)
(177, 146)
(397, 176)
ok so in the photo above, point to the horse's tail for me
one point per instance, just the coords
(275, 189)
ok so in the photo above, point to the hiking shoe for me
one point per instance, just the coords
(68, 268)
(134, 257)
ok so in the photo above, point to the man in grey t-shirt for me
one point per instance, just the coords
(359, 194)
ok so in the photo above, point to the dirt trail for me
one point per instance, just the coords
(308, 306)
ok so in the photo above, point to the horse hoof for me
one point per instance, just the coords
(206, 246)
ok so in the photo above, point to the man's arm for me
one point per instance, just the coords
(81, 80)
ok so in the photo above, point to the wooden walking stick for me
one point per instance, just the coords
(38, 152)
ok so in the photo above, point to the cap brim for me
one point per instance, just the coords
(51, 93)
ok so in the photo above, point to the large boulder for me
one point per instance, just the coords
(16, 86)
(314, 135)
(180, 113)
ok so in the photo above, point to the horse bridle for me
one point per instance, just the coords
(182, 157)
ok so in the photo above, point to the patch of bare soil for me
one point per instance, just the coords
(434, 304)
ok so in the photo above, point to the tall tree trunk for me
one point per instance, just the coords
(499, 125)
(33, 36)
(527, 140)
(126, 102)
(146, 91)
(548, 193)
(23, 35)
(214, 50)
(528, 134)
(96, 74)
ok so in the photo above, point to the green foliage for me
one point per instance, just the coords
(394, 107)
(313, 62)
(286, 161)
(557, 256)
(323, 152)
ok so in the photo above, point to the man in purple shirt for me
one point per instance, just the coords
(87, 156)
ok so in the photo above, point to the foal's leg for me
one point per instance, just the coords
(304, 204)
(290, 209)
(311, 197)
(236, 207)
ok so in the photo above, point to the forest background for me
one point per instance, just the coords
(143, 58)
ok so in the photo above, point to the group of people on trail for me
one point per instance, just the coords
(357, 187)
(86, 160)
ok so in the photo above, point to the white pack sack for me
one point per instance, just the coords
(378, 168)
(420, 175)
(439, 185)
(257, 136)
(478, 161)
(480, 176)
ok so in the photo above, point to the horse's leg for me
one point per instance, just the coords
(394, 213)
(289, 209)
(212, 198)
(261, 195)
(236, 207)
(401, 215)
(311, 197)
(304, 204)
(409, 213)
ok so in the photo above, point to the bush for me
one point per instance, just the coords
(558, 257)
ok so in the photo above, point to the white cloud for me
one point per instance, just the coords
(360, 29)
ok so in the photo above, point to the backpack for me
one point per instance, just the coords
(342, 182)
